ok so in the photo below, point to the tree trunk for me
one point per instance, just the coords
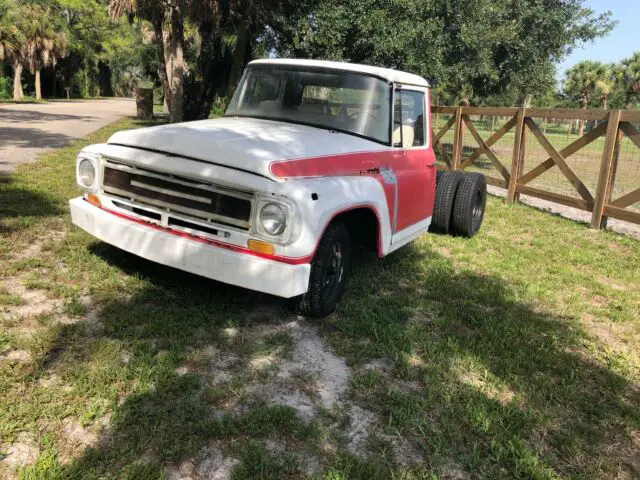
(583, 106)
(174, 58)
(38, 89)
(604, 102)
(17, 81)
(162, 67)
(237, 64)
(524, 100)
(208, 74)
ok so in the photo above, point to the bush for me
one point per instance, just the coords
(5, 88)
(81, 85)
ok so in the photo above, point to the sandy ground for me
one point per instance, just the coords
(27, 130)
(619, 226)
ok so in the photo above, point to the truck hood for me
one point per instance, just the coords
(243, 143)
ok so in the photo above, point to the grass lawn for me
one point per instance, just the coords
(510, 355)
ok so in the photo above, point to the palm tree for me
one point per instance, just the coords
(581, 82)
(11, 39)
(605, 84)
(628, 78)
(167, 19)
(43, 44)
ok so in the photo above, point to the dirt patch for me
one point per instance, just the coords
(77, 434)
(453, 471)
(34, 249)
(33, 302)
(312, 355)
(362, 424)
(22, 452)
(209, 464)
(312, 377)
(16, 356)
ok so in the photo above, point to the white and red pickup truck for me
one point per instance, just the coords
(309, 158)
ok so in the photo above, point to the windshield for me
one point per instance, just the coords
(343, 101)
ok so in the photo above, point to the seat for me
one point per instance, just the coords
(408, 134)
(270, 105)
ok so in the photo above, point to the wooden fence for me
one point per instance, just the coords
(589, 184)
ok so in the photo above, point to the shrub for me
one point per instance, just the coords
(5, 88)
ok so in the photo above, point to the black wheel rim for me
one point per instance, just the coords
(478, 208)
(334, 273)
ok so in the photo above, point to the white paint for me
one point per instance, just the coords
(240, 269)
(410, 233)
(395, 76)
(247, 143)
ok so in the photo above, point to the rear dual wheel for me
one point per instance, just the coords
(459, 203)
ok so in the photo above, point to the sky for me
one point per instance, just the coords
(621, 42)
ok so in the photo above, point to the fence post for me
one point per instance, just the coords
(517, 157)
(612, 176)
(458, 139)
(605, 180)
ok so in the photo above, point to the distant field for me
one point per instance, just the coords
(585, 163)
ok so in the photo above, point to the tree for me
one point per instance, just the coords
(627, 79)
(168, 20)
(604, 85)
(581, 82)
(470, 48)
(11, 40)
(43, 43)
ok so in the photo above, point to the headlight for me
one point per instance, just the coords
(86, 173)
(273, 218)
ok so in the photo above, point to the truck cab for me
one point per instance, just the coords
(309, 158)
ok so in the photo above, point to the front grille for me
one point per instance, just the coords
(177, 194)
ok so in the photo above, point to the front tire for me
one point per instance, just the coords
(329, 271)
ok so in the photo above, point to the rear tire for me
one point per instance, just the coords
(443, 205)
(469, 205)
(329, 271)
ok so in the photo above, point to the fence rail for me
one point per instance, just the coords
(545, 153)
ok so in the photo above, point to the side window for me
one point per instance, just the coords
(408, 119)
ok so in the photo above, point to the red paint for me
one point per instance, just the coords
(414, 169)
(329, 165)
(215, 243)
(416, 181)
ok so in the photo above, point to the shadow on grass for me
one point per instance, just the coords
(19, 204)
(560, 412)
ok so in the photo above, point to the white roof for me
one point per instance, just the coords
(386, 73)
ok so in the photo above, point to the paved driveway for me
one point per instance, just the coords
(29, 129)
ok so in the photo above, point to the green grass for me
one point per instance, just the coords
(510, 355)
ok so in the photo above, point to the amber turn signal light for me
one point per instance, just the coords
(261, 247)
(93, 200)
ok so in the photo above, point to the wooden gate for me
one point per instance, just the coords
(613, 125)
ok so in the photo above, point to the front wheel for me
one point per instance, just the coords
(329, 271)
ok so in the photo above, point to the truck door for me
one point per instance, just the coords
(414, 168)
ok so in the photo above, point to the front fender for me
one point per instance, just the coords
(321, 199)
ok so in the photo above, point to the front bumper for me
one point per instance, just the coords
(241, 269)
